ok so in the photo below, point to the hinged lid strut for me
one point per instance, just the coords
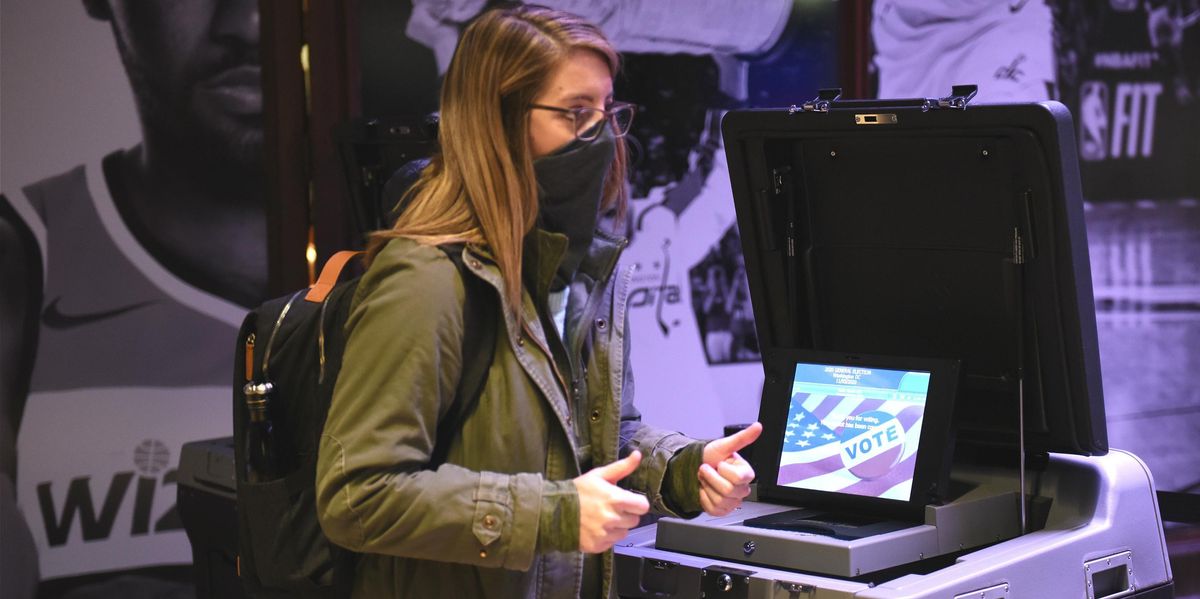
(960, 96)
(821, 102)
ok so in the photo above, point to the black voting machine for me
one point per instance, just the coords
(935, 229)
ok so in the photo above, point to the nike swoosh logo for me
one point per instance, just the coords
(56, 319)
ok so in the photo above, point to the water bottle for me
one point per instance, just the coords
(262, 448)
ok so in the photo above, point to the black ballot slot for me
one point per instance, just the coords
(837, 525)
(207, 491)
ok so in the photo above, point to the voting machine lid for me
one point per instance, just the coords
(932, 228)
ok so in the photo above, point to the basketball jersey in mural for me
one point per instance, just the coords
(131, 363)
(680, 383)
(923, 47)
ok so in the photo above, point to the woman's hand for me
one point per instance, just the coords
(724, 476)
(606, 511)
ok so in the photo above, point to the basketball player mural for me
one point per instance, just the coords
(126, 279)
(135, 268)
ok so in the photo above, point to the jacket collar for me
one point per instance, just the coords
(602, 255)
(545, 249)
(543, 253)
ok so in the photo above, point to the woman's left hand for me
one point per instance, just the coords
(724, 476)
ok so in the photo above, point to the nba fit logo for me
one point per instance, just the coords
(150, 460)
(1118, 124)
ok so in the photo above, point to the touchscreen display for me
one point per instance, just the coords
(853, 429)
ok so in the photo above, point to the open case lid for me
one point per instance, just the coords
(910, 228)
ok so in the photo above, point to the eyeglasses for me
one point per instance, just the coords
(586, 119)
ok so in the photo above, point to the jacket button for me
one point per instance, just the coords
(483, 553)
(601, 324)
(520, 342)
(489, 521)
(595, 415)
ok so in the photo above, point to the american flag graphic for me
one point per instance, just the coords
(812, 456)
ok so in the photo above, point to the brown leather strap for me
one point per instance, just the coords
(250, 356)
(329, 276)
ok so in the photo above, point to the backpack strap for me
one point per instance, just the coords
(329, 276)
(480, 314)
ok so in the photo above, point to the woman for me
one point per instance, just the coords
(527, 503)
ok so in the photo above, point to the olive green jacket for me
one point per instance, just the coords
(501, 517)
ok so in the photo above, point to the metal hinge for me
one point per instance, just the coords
(960, 96)
(819, 103)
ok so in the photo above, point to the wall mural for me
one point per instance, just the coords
(1130, 73)
(109, 379)
(135, 267)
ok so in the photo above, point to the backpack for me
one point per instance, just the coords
(296, 342)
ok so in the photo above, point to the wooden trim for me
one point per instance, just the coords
(284, 142)
(854, 48)
(332, 32)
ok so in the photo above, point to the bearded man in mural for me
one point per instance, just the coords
(128, 276)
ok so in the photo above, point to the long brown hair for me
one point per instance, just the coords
(480, 188)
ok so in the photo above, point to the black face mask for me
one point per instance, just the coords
(570, 183)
